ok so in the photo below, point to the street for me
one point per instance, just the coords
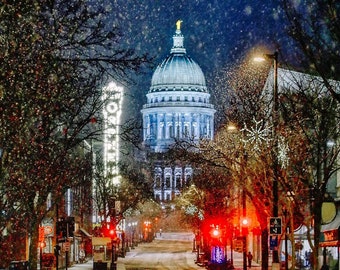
(169, 251)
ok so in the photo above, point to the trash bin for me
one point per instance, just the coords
(99, 265)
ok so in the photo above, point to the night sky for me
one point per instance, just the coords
(217, 32)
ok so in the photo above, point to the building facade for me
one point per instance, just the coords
(178, 108)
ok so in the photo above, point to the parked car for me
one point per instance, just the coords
(19, 265)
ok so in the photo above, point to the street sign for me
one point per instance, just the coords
(275, 225)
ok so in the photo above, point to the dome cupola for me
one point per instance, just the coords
(178, 71)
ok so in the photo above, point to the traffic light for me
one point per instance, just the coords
(216, 232)
(245, 222)
(245, 225)
(108, 230)
(70, 223)
(112, 233)
(61, 228)
(65, 227)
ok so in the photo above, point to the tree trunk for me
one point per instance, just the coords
(33, 235)
(265, 248)
(317, 230)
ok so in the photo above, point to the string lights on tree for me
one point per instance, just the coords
(282, 155)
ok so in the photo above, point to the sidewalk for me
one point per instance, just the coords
(89, 265)
(238, 262)
(82, 266)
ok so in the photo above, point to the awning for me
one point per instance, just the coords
(100, 241)
(85, 232)
(333, 225)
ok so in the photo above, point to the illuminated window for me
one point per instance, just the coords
(167, 181)
(171, 131)
(178, 181)
(158, 181)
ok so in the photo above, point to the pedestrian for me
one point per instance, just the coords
(250, 258)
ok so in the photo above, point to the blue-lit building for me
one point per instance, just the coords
(178, 108)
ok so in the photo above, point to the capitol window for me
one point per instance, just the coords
(167, 181)
(158, 181)
(178, 181)
(171, 131)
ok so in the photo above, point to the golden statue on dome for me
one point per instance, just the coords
(178, 24)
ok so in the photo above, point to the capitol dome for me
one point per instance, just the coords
(178, 71)
(178, 102)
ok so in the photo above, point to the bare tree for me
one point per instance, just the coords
(310, 110)
(55, 56)
(314, 26)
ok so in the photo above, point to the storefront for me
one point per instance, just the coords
(330, 242)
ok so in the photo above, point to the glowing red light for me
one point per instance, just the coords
(216, 232)
(244, 222)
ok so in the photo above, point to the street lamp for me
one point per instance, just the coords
(231, 128)
(244, 231)
(113, 236)
(274, 57)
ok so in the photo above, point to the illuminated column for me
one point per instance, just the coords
(112, 97)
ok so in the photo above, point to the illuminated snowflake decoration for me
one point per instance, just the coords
(257, 135)
(192, 210)
(282, 155)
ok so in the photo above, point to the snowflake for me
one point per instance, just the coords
(282, 155)
(257, 135)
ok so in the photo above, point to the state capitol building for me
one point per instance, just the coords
(178, 108)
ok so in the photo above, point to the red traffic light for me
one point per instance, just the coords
(215, 232)
(245, 222)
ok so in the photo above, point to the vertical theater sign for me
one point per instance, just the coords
(112, 97)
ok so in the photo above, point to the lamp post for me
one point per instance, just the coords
(113, 236)
(244, 229)
(274, 57)
(285, 212)
(244, 221)
(275, 161)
